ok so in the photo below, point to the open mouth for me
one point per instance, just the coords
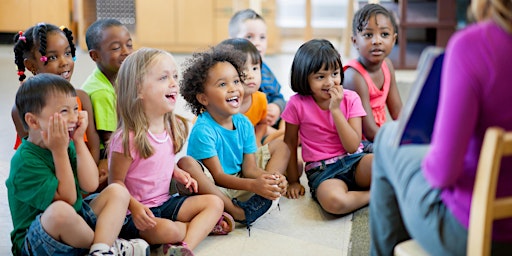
(66, 75)
(71, 131)
(234, 101)
(171, 96)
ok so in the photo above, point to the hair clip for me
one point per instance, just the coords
(62, 28)
(43, 59)
(74, 58)
(23, 38)
(41, 24)
(21, 72)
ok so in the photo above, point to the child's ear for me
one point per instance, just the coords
(354, 41)
(201, 97)
(30, 65)
(395, 35)
(32, 121)
(94, 55)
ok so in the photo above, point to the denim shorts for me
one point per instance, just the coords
(38, 242)
(343, 169)
(168, 210)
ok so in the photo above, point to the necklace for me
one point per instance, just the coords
(165, 139)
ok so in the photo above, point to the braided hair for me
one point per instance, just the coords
(36, 36)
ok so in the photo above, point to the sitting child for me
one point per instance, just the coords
(50, 169)
(327, 118)
(142, 158)
(372, 75)
(223, 139)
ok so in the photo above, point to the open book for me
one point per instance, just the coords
(416, 121)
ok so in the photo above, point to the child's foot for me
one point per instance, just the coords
(225, 225)
(253, 208)
(131, 247)
(179, 249)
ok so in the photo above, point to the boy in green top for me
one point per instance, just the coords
(50, 171)
(109, 43)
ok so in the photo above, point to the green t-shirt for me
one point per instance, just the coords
(31, 187)
(103, 99)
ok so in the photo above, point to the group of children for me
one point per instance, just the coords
(125, 132)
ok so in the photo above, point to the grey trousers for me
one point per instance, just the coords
(403, 205)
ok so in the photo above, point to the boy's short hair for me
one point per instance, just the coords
(310, 58)
(246, 47)
(366, 12)
(93, 36)
(239, 17)
(33, 94)
(196, 72)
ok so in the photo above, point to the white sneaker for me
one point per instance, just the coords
(132, 247)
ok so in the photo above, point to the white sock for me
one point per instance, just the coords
(100, 247)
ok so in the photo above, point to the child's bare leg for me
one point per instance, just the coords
(363, 172)
(110, 208)
(202, 212)
(206, 186)
(334, 197)
(62, 223)
(279, 155)
(165, 232)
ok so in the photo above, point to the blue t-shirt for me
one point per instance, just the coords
(209, 139)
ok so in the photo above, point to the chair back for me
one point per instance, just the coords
(485, 207)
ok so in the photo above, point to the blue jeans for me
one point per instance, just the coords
(403, 205)
(38, 242)
(343, 169)
(168, 210)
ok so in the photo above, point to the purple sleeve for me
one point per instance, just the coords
(457, 113)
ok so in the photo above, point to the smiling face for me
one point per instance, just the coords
(375, 42)
(64, 104)
(159, 89)
(254, 30)
(58, 53)
(223, 91)
(116, 45)
(252, 79)
(322, 80)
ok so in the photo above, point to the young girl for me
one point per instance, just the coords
(372, 75)
(142, 153)
(327, 119)
(45, 48)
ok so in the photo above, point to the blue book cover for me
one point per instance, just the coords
(416, 121)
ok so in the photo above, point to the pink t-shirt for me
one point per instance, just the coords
(148, 180)
(317, 131)
(377, 96)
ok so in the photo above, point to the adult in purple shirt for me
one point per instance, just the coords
(424, 191)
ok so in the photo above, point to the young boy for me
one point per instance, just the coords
(223, 140)
(109, 43)
(49, 171)
(250, 25)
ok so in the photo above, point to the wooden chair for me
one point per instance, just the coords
(485, 207)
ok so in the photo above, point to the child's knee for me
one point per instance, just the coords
(188, 164)
(58, 214)
(117, 191)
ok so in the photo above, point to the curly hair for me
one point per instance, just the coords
(36, 37)
(197, 68)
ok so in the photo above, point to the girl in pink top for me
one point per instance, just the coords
(327, 119)
(142, 158)
(372, 75)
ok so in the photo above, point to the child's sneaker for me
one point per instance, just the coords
(180, 249)
(253, 208)
(132, 247)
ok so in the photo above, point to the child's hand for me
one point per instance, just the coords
(81, 125)
(295, 190)
(273, 113)
(142, 217)
(267, 186)
(336, 93)
(184, 178)
(282, 183)
(56, 137)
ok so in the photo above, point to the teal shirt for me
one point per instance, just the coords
(103, 99)
(31, 187)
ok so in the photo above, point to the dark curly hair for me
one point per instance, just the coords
(366, 12)
(36, 36)
(197, 68)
